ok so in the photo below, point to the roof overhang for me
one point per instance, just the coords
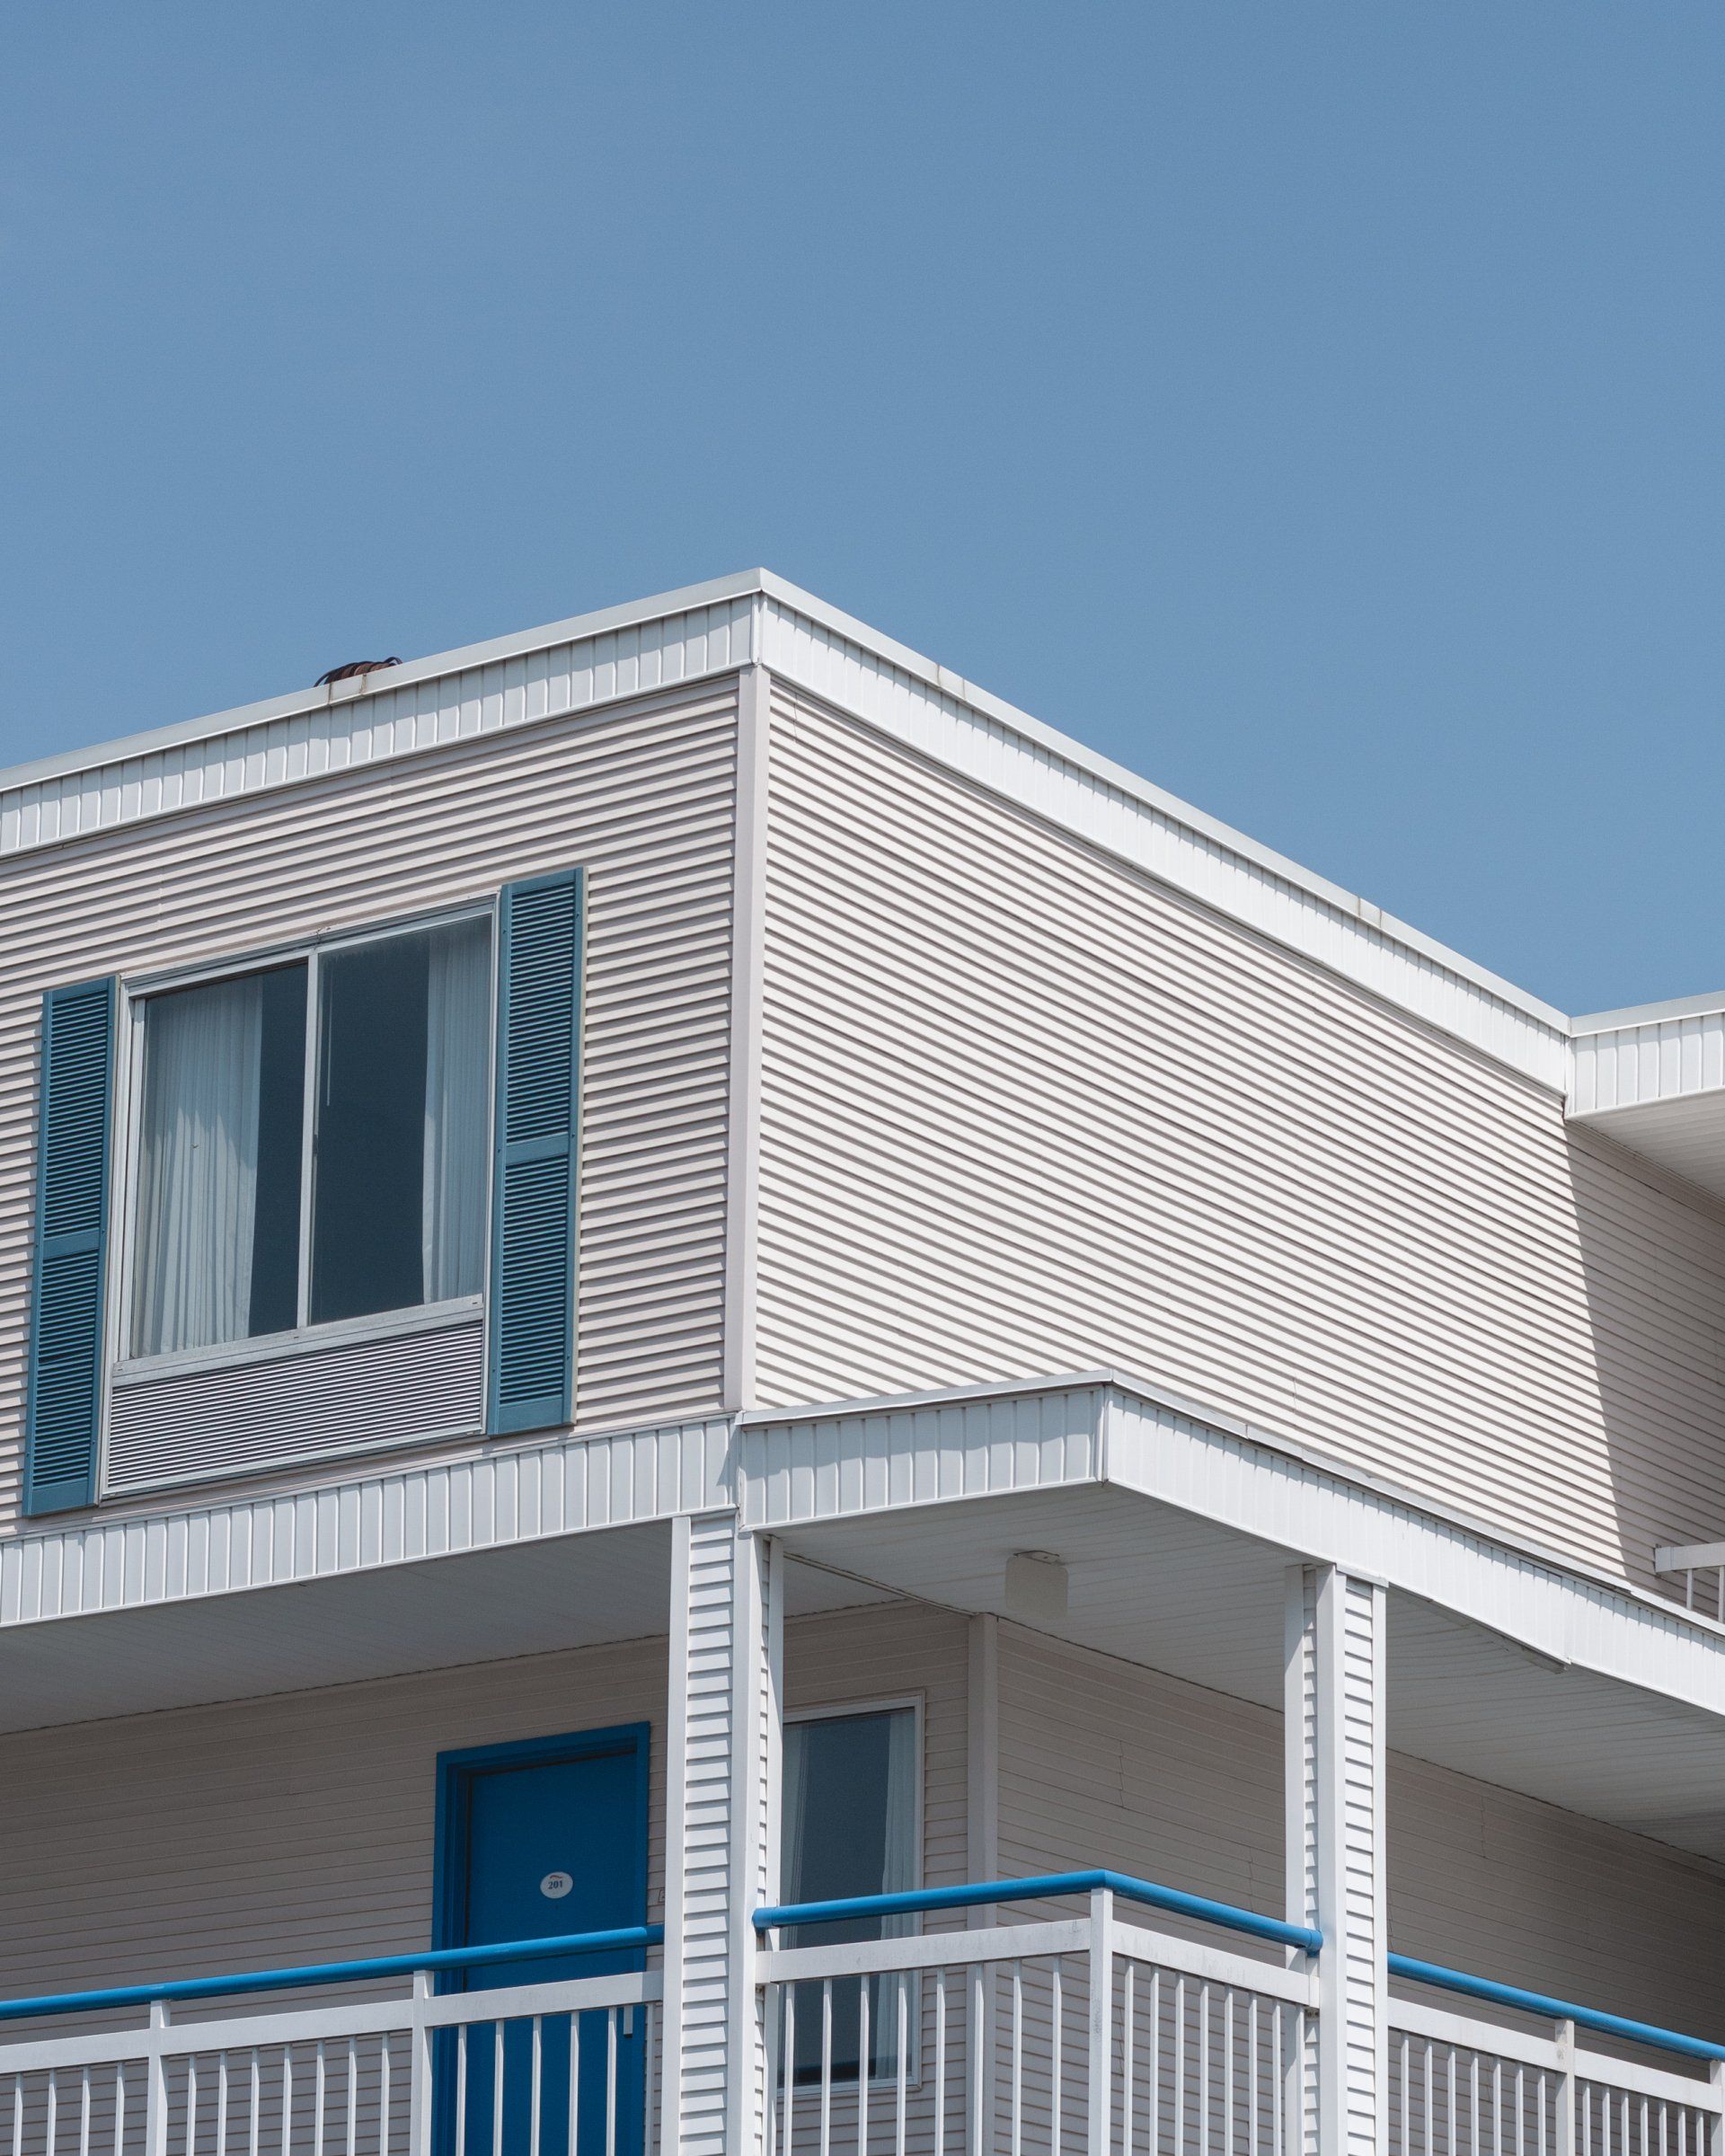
(1653, 1079)
(1176, 1535)
(1178, 1525)
(754, 618)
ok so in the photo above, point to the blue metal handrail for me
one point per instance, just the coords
(970, 1895)
(1551, 2010)
(333, 1972)
(1041, 1890)
(1309, 1942)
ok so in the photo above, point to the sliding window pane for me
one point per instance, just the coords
(215, 1253)
(399, 1203)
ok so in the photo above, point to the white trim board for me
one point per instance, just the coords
(824, 1464)
(756, 617)
(405, 1515)
(1096, 1429)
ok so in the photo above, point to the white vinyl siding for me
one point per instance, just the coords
(857, 1658)
(1025, 1110)
(432, 703)
(300, 1827)
(643, 797)
(291, 1829)
(1105, 1763)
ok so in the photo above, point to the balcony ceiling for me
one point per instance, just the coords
(530, 1598)
(1653, 1080)
(1158, 1586)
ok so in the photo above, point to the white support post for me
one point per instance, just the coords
(982, 1840)
(721, 1833)
(156, 2093)
(1566, 2138)
(1333, 1710)
(1099, 2117)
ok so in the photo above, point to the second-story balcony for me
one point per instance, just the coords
(1046, 1772)
(1076, 2018)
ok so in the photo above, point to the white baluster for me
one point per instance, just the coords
(1566, 2091)
(1057, 2023)
(419, 2069)
(940, 2063)
(538, 2085)
(901, 2092)
(574, 2082)
(610, 2084)
(862, 2066)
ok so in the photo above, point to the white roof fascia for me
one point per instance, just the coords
(1234, 1474)
(1455, 1518)
(1130, 782)
(244, 716)
(1197, 1459)
(1229, 871)
(1648, 1014)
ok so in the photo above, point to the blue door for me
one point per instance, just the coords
(543, 1839)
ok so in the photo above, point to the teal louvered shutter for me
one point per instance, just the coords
(63, 1418)
(534, 1170)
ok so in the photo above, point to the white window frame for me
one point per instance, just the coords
(830, 1710)
(123, 1369)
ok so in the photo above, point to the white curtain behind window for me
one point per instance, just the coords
(457, 1072)
(198, 1167)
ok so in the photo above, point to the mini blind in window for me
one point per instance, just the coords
(533, 1192)
(62, 1419)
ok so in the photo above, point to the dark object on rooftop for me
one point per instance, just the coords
(356, 666)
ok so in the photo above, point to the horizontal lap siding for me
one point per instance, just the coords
(899, 1653)
(300, 1827)
(643, 797)
(1103, 1762)
(1025, 1110)
(275, 1831)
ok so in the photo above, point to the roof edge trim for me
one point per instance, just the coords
(953, 688)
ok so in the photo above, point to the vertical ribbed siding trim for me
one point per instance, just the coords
(394, 1517)
(702, 1790)
(748, 948)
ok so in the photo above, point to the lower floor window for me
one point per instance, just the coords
(850, 1813)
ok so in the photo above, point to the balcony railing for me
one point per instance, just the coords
(565, 2068)
(1082, 2034)
(1459, 2086)
(1088, 2036)
(1106, 2017)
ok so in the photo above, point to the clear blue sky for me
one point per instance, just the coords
(1361, 366)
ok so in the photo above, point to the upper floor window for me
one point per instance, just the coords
(312, 1140)
(311, 1202)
